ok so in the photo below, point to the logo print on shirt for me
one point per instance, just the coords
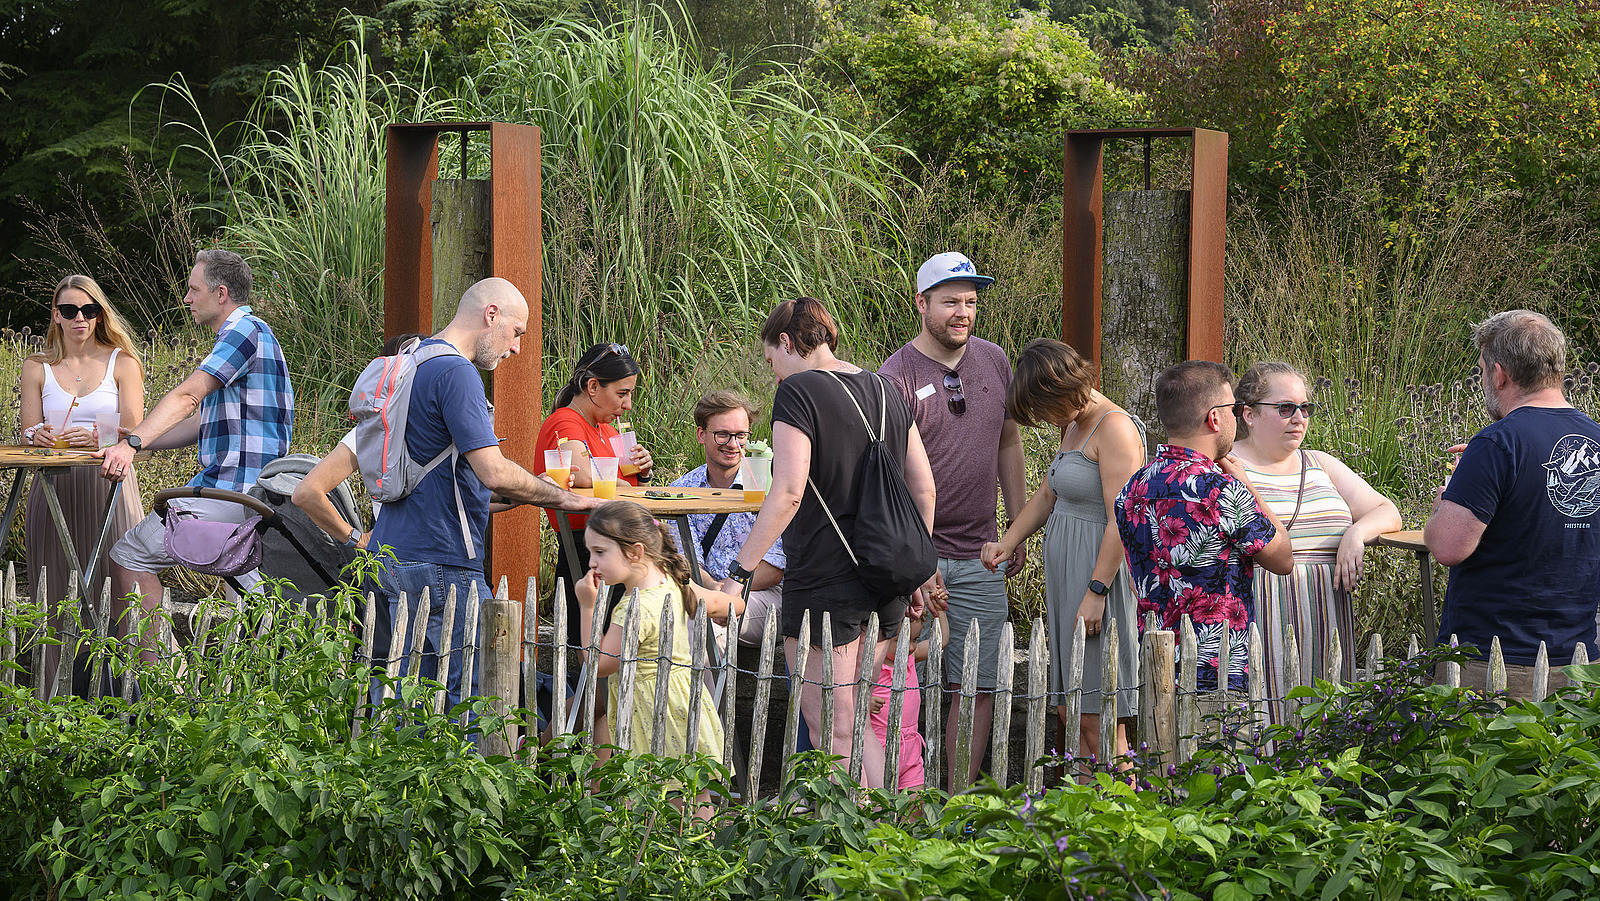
(1572, 477)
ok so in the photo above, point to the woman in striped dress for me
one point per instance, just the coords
(1331, 514)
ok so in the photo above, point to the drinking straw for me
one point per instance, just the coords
(67, 417)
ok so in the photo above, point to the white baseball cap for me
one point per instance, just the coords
(949, 267)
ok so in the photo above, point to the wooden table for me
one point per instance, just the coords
(678, 509)
(44, 464)
(1411, 540)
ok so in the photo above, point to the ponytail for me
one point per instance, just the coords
(606, 363)
(628, 523)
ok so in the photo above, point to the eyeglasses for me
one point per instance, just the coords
(724, 437)
(956, 400)
(1287, 410)
(1237, 407)
(70, 311)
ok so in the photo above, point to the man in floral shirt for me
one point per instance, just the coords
(1193, 526)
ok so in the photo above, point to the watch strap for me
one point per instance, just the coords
(1099, 587)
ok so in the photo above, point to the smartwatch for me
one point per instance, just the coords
(1099, 587)
(354, 539)
(134, 442)
(739, 574)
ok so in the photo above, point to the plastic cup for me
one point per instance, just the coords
(558, 466)
(755, 474)
(623, 444)
(605, 477)
(105, 425)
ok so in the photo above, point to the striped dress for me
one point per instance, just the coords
(1304, 601)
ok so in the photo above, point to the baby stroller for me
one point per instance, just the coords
(282, 542)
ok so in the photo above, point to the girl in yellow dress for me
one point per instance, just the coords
(628, 547)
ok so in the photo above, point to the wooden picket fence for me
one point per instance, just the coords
(510, 650)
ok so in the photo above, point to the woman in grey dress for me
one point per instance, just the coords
(1086, 576)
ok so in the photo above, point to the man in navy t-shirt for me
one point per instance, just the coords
(1516, 522)
(423, 529)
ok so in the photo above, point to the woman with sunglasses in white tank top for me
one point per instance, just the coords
(88, 371)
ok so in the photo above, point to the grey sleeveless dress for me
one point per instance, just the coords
(1072, 538)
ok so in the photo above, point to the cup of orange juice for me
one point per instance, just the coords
(605, 477)
(558, 465)
(755, 473)
(623, 444)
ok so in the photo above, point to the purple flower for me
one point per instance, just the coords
(1061, 844)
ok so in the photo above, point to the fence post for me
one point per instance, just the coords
(591, 684)
(528, 666)
(797, 684)
(60, 682)
(163, 627)
(8, 607)
(470, 636)
(1335, 656)
(697, 657)
(503, 647)
(1258, 681)
(1374, 656)
(1074, 698)
(1163, 704)
(730, 690)
(101, 630)
(758, 729)
(1224, 670)
(825, 724)
(933, 706)
(1495, 683)
(1000, 742)
(1188, 687)
(629, 673)
(130, 673)
(1291, 677)
(1541, 674)
(961, 764)
(896, 711)
(441, 650)
(1038, 676)
(558, 665)
(667, 626)
(1412, 648)
(1580, 655)
(1109, 648)
(1452, 669)
(868, 677)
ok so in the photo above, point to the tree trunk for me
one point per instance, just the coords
(1142, 297)
(460, 242)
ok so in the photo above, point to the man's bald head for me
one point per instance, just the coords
(491, 319)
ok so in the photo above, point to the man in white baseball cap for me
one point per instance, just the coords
(956, 386)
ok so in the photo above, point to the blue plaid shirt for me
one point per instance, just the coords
(735, 529)
(245, 424)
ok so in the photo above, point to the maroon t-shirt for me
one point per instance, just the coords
(964, 450)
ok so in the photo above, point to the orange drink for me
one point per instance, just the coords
(623, 445)
(558, 465)
(605, 477)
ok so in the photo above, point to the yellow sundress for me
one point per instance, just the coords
(684, 684)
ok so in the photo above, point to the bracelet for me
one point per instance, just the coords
(27, 433)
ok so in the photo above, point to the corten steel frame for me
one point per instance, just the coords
(516, 245)
(1081, 242)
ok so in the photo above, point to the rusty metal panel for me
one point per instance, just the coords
(1082, 234)
(516, 247)
(516, 250)
(1081, 243)
(1208, 226)
(410, 165)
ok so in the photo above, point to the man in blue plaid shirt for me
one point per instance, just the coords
(237, 406)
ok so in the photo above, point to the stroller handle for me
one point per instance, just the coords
(216, 494)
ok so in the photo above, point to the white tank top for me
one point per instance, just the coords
(103, 399)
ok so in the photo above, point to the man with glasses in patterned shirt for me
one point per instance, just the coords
(955, 384)
(722, 427)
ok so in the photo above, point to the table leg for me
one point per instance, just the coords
(53, 503)
(92, 567)
(1430, 613)
(19, 476)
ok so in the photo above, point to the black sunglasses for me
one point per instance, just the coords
(956, 400)
(1236, 407)
(70, 311)
(1287, 410)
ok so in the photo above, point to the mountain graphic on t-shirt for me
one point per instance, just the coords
(1572, 477)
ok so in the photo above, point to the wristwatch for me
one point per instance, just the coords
(1099, 587)
(739, 574)
(354, 539)
(133, 441)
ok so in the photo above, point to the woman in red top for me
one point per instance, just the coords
(600, 390)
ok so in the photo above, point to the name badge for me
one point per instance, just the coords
(925, 392)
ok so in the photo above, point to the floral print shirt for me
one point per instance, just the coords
(1190, 530)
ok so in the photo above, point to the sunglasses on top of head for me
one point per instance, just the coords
(70, 311)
